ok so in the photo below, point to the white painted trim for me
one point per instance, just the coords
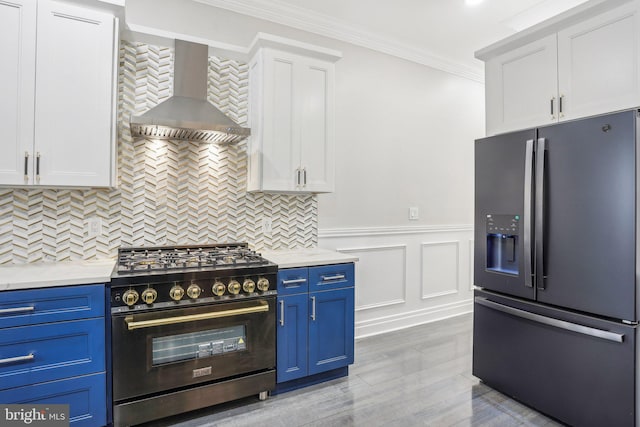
(303, 19)
(380, 248)
(388, 231)
(456, 243)
(380, 305)
(404, 320)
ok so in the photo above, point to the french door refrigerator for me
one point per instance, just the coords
(556, 267)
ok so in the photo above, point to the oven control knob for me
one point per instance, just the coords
(234, 287)
(176, 293)
(149, 295)
(263, 284)
(218, 288)
(130, 297)
(194, 291)
(249, 286)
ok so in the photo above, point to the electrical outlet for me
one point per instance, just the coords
(266, 226)
(94, 227)
(414, 213)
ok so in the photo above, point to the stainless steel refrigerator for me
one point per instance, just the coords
(556, 262)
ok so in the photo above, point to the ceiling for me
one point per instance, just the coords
(441, 33)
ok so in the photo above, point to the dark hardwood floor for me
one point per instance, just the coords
(419, 376)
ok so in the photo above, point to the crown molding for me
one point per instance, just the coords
(324, 25)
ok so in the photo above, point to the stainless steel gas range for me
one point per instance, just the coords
(191, 326)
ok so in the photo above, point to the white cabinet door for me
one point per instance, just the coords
(598, 64)
(17, 68)
(521, 87)
(291, 147)
(317, 126)
(280, 147)
(74, 132)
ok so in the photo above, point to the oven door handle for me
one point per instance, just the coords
(133, 324)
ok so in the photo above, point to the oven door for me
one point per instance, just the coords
(162, 350)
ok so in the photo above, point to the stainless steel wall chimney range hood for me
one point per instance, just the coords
(187, 115)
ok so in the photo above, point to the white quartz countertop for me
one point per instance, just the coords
(42, 275)
(306, 257)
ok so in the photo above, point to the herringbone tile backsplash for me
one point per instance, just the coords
(168, 192)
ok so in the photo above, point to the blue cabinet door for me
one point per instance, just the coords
(331, 329)
(85, 396)
(292, 337)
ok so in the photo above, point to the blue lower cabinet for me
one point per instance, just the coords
(315, 324)
(52, 350)
(331, 330)
(292, 337)
(85, 396)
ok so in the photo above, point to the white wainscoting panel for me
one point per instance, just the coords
(440, 265)
(406, 276)
(380, 264)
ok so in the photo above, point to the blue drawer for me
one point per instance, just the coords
(33, 354)
(293, 281)
(334, 276)
(85, 396)
(33, 306)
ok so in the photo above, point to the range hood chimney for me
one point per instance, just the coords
(187, 115)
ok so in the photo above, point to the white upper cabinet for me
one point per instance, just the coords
(521, 87)
(59, 60)
(582, 63)
(291, 99)
(598, 64)
(17, 77)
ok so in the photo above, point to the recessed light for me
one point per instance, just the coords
(472, 2)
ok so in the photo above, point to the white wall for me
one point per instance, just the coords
(404, 137)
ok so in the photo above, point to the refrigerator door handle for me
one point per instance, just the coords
(568, 326)
(528, 177)
(539, 214)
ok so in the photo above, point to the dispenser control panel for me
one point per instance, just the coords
(503, 224)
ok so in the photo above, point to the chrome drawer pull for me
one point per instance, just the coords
(313, 308)
(16, 310)
(17, 359)
(281, 313)
(293, 281)
(556, 323)
(330, 278)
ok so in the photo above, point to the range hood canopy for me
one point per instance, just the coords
(187, 115)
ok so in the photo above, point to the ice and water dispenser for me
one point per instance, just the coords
(503, 235)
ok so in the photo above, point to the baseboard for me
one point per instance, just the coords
(399, 321)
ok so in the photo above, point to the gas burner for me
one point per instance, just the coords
(141, 259)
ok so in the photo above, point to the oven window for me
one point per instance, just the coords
(195, 345)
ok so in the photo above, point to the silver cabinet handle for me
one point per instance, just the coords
(26, 166)
(17, 359)
(568, 326)
(539, 226)
(331, 278)
(16, 310)
(560, 113)
(38, 167)
(293, 281)
(281, 312)
(298, 177)
(313, 308)
(528, 179)
(553, 100)
(304, 177)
